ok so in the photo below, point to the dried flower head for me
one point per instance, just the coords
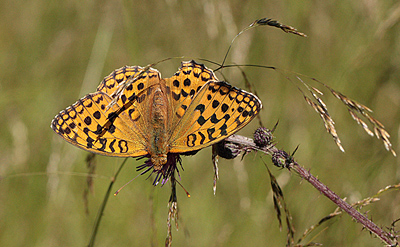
(263, 136)
(282, 159)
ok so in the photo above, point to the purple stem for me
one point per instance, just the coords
(248, 143)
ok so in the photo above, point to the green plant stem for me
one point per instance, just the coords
(103, 206)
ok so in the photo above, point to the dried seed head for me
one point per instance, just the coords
(281, 159)
(263, 137)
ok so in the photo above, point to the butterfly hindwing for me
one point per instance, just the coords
(217, 111)
(140, 79)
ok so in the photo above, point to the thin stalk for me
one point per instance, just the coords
(248, 144)
(103, 206)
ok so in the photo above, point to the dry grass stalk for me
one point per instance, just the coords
(356, 108)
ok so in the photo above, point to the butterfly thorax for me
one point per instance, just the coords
(159, 115)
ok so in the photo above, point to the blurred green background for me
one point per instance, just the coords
(54, 52)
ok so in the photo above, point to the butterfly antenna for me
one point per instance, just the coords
(264, 22)
(165, 59)
(233, 40)
(116, 193)
(187, 193)
(121, 88)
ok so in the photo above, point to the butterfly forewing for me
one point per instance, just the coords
(118, 131)
(217, 111)
(86, 125)
(184, 85)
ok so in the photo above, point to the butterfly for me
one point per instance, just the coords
(135, 112)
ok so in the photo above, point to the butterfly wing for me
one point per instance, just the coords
(118, 131)
(217, 111)
(114, 121)
(184, 85)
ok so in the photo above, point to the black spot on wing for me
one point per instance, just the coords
(176, 96)
(187, 82)
(97, 115)
(215, 104)
(99, 130)
(88, 120)
(66, 131)
(111, 146)
(191, 139)
(203, 138)
(224, 107)
(201, 108)
(111, 129)
(210, 132)
(214, 119)
(123, 98)
(223, 130)
(192, 93)
(103, 143)
(123, 146)
(89, 142)
(201, 120)
(184, 93)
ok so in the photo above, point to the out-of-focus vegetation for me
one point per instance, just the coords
(54, 52)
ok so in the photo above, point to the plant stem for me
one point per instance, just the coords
(103, 206)
(248, 144)
(367, 223)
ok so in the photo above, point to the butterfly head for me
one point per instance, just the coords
(162, 171)
(158, 161)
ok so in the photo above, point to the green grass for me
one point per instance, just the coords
(51, 54)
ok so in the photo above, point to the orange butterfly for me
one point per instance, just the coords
(155, 117)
